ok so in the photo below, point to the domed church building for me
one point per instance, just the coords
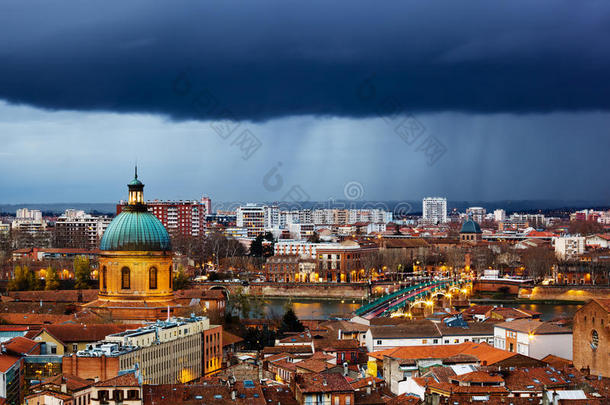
(135, 264)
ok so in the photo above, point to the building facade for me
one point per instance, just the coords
(591, 343)
(434, 210)
(184, 217)
(76, 229)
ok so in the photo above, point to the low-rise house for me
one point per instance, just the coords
(69, 338)
(343, 351)
(533, 338)
(414, 333)
(347, 330)
(245, 392)
(58, 387)
(302, 351)
(123, 389)
(323, 389)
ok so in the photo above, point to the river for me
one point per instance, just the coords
(324, 309)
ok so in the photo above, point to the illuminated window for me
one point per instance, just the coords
(152, 278)
(125, 278)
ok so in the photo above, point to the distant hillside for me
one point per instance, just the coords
(58, 208)
(411, 207)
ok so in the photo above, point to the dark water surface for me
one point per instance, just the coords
(324, 309)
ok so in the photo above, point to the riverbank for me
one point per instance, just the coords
(524, 301)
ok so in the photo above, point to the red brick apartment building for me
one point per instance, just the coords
(183, 217)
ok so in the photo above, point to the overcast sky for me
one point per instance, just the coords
(245, 100)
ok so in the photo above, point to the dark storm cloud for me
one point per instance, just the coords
(266, 59)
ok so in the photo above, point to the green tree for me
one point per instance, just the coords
(290, 322)
(82, 272)
(181, 280)
(51, 279)
(23, 279)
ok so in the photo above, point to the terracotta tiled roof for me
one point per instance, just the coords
(34, 319)
(404, 399)
(58, 395)
(210, 394)
(313, 365)
(229, 338)
(413, 329)
(20, 345)
(364, 382)
(336, 344)
(536, 378)
(556, 361)
(313, 383)
(55, 295)
(478, 377)
(7, 361)
(68, 333)
(535, 327)
(345, 326)
(125, 380)
(279, 356)
(322, 356)
(604, 303)
(467, 389)
(288, 349)
(485, 353)
(300, 338)
(286, 365)
(73, 383)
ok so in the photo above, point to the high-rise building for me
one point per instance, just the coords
(499, 215)
(29, 221)
(76, 229)
(434, 210)
(251, 217)
(186, 217)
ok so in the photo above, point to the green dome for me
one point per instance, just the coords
(136, 230)
(471, 226)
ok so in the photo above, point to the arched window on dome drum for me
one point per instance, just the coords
(104, 275)
(152, 278)
(125, 278)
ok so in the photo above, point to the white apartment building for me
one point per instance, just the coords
(434, 210)
(77, 229)
(569, 246)
(533, 338)
(272, 217)
(301, 231)
(29, 221)
(499, 215)
(251, 217)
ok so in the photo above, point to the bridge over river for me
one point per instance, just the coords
(424, 294)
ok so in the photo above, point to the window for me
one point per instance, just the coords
(74, 347)
(348, 400)
(594, 340)
(152, 278)
(337, 400)
(104, 275)
(125, 278)
(171, 280)
(379, 342)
